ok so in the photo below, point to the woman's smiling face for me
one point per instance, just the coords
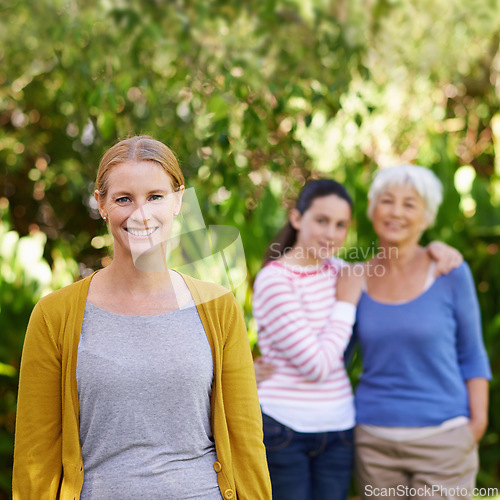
(140, 206)
(322, 228)
(399, 215)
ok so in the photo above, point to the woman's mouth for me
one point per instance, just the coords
(393, 225)
(141, 232)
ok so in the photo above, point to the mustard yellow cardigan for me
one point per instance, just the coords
(48, 457)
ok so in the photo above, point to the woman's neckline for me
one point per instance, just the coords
(156, 315)
(311, 269)
(428, 285)
(189, 302)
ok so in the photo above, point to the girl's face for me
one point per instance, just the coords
(140, 207)
(322, 228)
(399, 215)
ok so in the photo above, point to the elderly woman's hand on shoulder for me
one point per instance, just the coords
(350, 283)
(447, 258)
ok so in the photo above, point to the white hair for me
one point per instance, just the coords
(423, 180)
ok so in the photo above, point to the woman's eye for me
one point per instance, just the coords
(155, 197)
(122, 199)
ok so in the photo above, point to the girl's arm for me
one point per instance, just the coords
(285, 329)
(349, 285)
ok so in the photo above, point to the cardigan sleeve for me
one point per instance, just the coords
(38, 436)
(244, 418)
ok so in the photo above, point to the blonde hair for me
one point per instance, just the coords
(423, 180)
(138, 148)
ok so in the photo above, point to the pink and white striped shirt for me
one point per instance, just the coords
(303, 331)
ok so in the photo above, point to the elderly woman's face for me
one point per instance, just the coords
(399, 215)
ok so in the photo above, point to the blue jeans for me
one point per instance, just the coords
(308, 466)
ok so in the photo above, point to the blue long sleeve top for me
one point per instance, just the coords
(417, 355)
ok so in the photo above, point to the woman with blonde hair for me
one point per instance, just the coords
(138, 381)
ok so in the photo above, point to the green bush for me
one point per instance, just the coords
(24, 277)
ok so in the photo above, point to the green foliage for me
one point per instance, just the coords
(254, 98)
(24, 277)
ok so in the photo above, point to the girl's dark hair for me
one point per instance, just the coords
(287, 237)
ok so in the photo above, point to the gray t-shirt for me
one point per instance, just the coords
(144, 386)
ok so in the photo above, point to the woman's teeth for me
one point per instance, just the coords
(141, 232)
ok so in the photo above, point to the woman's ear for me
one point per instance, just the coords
(295, 218)
(100, 204)
(178, 201)
(369, 208)
(425, 224)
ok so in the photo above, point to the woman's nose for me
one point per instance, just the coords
(141, 213)
(396, 209)
(331, 232)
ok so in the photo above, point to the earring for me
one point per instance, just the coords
(176, 214)
(104, 218)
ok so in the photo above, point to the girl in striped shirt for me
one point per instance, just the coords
(304, 305)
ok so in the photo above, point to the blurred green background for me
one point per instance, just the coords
(254, 97)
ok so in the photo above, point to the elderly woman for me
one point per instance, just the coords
(422, 399)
